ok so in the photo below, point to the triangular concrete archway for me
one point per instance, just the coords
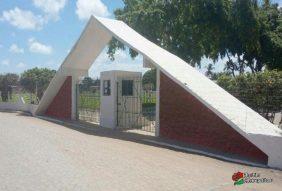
(236, 115)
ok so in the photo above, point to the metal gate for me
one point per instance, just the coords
(88, 103)
(136, 106)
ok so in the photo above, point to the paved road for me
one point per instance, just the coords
(39, 155)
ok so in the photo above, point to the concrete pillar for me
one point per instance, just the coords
(157, 126)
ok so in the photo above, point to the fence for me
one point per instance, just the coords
(136, 111)
(149, 109)
(17, 100)
(19, 96)
(136, 105)
(267, 105)
(261, 91)
(88, 104)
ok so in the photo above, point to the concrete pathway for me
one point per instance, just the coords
(40, 155)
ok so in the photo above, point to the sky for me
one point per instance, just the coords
(40, 33)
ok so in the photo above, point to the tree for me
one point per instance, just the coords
(7, 81)
(260, 91)
(255, 39)
(96, 82)
(86, 83)
(271, 35)
(209, 73)
(150, 78)
(36, 80)
(246, 32)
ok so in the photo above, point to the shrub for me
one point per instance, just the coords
(261, 91)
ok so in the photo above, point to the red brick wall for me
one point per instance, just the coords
(185, 118)
(60, 107)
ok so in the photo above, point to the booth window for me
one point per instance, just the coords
(106, 87)
(127, 87)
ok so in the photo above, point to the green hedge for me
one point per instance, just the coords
(261, 91)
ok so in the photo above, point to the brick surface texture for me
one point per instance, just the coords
(184, 118)
(61, 105)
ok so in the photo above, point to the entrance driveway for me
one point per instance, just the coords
(40, 155)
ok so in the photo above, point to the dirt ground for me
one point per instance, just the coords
(39, 155)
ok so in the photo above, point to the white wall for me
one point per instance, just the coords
(108, 103)
(8, 106)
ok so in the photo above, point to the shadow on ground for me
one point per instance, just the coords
(96, 130)
(18, 113)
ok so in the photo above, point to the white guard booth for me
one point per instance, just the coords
(121, 104)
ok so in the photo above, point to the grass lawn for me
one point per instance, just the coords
(26, 97)
(88, 100)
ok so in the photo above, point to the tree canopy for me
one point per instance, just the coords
(260, 91)
(36, 79)
(149, 77)
(247, 32)
(6, 83)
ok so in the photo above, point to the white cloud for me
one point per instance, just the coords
(23, 19)
(50, 7)
(5, 62)
(21, 65)
(86, 8)
(15, 49)
(37, 47)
